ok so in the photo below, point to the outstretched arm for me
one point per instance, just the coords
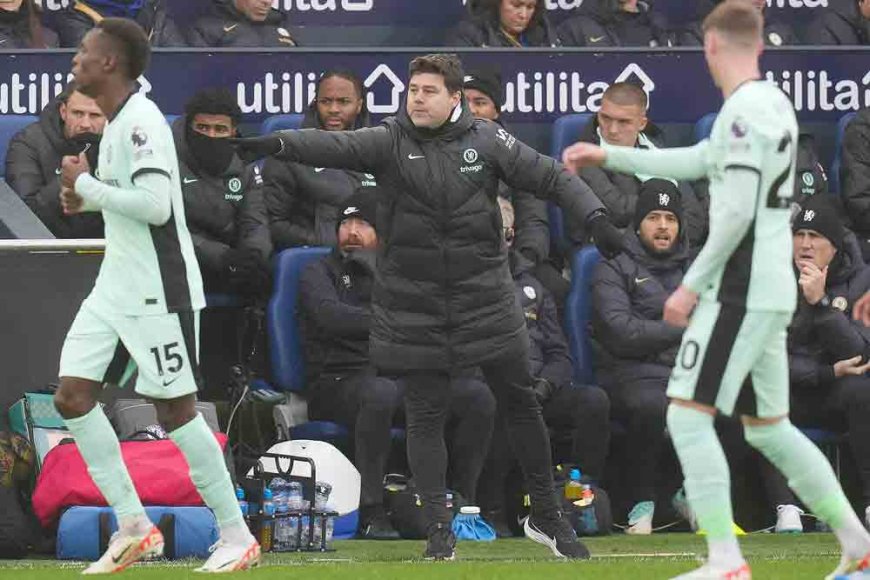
(677, 163)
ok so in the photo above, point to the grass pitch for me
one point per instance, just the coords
(660, 556)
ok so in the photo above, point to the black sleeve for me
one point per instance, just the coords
(320, 300)
(532, 226)
(842, 337)
(466, 33)
(805, 372)
(281, 200)
(855, 172)
(695, 215)
(820, 32)
(25, 176)
(254, 222)
(197, 35)
(620, 205)
(365, 150)
(170, 35)
(557, 362)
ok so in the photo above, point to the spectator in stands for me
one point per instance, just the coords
(236, 23)
(580, 412)
(827, 349)
(336, 315)
(151, 15)
(616, 23)
(776, 31)
(505, 23)
(855, 178)
(70, 124)
(304, 203)
(20, 26)
(223, 197)
(485, 95)
(843, 22)
(622, 121)
(637, 348)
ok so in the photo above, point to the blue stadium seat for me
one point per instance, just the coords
(280, 123)
(829, 442)
(704, 126)
(9, 126)
(578, 309)
(836, 164)
(566, 130)
(285, 342)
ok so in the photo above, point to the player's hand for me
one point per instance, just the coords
(71, 202)
(851, 367)
(861, 309)
(251, 149)
(580, 155)
(71, 166)
(606, 237)
(812, 281)
(679, 306)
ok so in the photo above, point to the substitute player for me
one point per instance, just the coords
(144, 305)
(736, 340)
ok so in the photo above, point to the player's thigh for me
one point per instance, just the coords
(93, 350)
(165, 348)
(689, 368)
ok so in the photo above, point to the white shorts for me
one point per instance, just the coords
(164, 347)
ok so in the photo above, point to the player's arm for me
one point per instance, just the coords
(148, 200)
(676, 163)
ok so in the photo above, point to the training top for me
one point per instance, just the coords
(150, 266)
(750, 162)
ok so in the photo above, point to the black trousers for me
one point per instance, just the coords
(370, 405)
(581, 414)
(427, 400)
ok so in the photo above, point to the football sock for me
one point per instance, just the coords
(813, 480)
(707, 481)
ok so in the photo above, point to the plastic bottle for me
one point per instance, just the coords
(243, 503)
(588, 495)
(281, 529)
(295, 503)
(573, 487)
(268, 521)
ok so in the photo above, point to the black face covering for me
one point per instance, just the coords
(212, 155)
(87, 142)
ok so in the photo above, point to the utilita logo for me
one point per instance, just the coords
(556, 4)
(325, 5)
(812, 90)
(27, 94)
(797, 3)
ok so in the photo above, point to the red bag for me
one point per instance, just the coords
(158, 469)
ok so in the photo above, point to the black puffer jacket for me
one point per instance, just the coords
(153, 18)
(628, 296)
(548, 347)
(619, 193)
(840, 24)
(223, 212)
(304, 202)
(227, 27)
(776, 32)
(821, 336)
(15, 30)
(443, 296)
(33, 172)
(855, 172)
(485, 30)
(602, 23)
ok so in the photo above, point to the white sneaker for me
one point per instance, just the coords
(788, 519)
(228, 557)
(709, 572)
(125, 550)
(851, 568)
(640, 519)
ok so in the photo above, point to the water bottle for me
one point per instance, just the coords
(268, 521)
(573, 487)
(295, 503)
(243, 503)
(281, 533)
(322, 490)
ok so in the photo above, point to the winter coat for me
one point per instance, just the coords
(79, 18)
(443, 296)
(855, 172)
(776, 32)
(335, 312)
(227, 27)
(304, 202)
(619, 193)
(820, 336)
(33, 172)
(223, 212)
(840, 24)
(485, 31)
(15, 30)
(548, 347)
(602, 24)
(628, 296)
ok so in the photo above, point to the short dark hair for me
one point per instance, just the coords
(346, 74)
(213, 101)
(131, 41)
(738, 21)
(626, 94)
(447, 65)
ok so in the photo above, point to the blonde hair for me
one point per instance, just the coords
(738, 22)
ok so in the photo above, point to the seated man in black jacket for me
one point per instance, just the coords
(827, 349)
(580, 412)
(72, 123)
(622, 121)
(843, 22)
(223, 197)
(855, 178)
(637, 348)
(615, 23)
(776, 31)
(336, 312)
(151, 15)
(237, 23)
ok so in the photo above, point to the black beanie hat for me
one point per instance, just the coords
(819, 215)
(488, 82)
(362, 205)
(658, 195)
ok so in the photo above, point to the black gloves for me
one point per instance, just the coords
(544, 389)
(251, 149)
(605, 235)
(245, 271)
